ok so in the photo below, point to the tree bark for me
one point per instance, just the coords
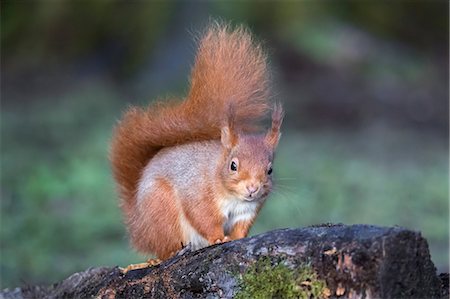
(357, 261)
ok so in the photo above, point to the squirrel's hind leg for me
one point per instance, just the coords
(157, 229)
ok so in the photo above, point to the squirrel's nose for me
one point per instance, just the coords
(252, 188)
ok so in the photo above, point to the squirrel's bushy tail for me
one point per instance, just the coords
(230, 71)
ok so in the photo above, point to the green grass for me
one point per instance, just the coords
(59, 207)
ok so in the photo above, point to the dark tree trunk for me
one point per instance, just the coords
(358, 261)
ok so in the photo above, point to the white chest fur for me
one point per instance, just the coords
(235, 210)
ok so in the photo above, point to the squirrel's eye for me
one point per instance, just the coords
(233, 166)
(269, 172)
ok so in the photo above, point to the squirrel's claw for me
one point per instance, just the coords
(184, 249)
(224, 240)
(149, 263)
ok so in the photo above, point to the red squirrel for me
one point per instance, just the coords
(196, 171)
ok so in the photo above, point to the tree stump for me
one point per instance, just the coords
(357, 261)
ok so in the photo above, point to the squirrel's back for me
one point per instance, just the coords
(195, 160)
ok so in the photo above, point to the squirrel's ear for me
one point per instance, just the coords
(274, 134)
(228, 137)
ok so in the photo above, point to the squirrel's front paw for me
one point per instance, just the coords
(225, 239)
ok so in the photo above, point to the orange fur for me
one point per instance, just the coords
(154, 226)
(204, 216)
(240, 229)
(228, 95)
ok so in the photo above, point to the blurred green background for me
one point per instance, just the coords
(365, 86)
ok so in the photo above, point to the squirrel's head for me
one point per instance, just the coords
(247, 170)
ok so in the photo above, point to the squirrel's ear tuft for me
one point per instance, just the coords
(228, 137)
(274, 134)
